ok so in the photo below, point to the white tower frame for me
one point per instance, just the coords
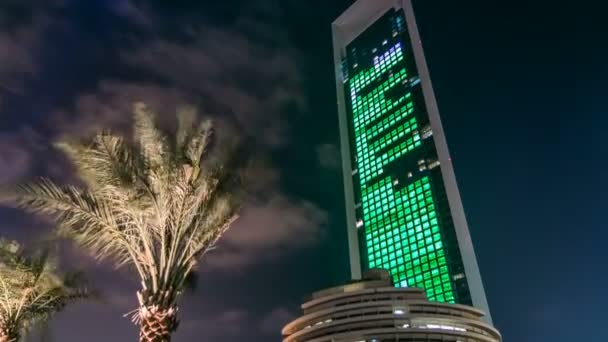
(357, 18)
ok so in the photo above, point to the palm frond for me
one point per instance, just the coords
(30, 289)
(145, 205)
(186, 118)
(153, 150)
(105, 163)
(199, 141)
(92, 221)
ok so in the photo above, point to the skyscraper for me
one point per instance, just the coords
(404, 211)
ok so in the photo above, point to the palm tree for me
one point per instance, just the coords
(148, 203)
(30, 290)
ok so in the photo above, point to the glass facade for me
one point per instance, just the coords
(403, 215)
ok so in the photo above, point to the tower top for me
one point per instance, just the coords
(359, 16)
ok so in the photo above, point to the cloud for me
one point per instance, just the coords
(26, 153)
(22, 28)
(246, 76)
(110, 106)
(236, 323)
(271, 223)
(328, 156)
(274, 321)
(15, 158)
(130, 11)
(268, 230)
(18, 154)
(243, 73)
(17, 47)
(227, 323)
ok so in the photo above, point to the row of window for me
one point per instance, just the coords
(375, 95)
(389, 121)
(408, 242)
(401, 227)
(412, 217)
(371, 106)
(436, 282)
(412, 211)
(393, 227)
(396, 76)
(406, 239)
(431, 256)
(377, 189)
(366, 109)
(438, 287)
(393, 135)
(365, 77)
(368, 172)
(364, 155)
(382, 191)
(394, 234)
(408, 197)
(400, 220)
(374, 111)
(409, 200)
(396, 116)
(368, 165)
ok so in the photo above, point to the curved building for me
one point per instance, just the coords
(372, 310)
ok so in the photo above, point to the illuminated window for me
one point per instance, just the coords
(413, 256)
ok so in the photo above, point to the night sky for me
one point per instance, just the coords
(522, 93)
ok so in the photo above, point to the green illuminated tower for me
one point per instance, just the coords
(404, 210)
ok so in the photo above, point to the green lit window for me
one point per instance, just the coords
(401, 228)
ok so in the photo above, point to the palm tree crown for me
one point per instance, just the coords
(147, 203)
(31, 290)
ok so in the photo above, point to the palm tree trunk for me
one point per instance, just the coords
(157, 325)
(8, 336)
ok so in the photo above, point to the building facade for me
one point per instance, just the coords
(404, 211)
(373, 310)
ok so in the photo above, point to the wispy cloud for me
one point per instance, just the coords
(15, 158)
(273, 322)
(17, 46)
(247, 77)
(22, 28)
(328, 156)
(267, 230)
(18, 152)
(230, 74)
(224, 324)
(237, 322)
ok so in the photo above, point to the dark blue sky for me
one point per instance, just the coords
(522, 93)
